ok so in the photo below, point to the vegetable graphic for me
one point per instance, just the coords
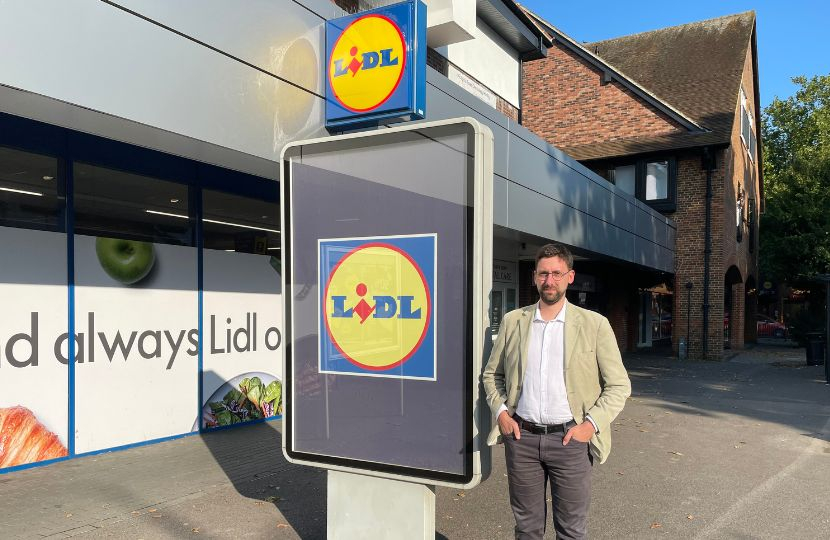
(253, 400)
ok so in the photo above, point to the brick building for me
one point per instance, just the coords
(670, 117)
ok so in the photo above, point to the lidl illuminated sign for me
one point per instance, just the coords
(377, 306)
(376, 65)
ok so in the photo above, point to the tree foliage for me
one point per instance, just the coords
(795, 228)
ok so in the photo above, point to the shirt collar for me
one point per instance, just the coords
(537, 315)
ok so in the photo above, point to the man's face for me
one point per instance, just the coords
(552, 279)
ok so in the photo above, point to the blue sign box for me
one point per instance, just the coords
(376, 66)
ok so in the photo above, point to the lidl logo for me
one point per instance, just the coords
(367, 62)
(377, 306)
(375, 66)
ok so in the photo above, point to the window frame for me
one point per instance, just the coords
(667, 204)
(749, 138)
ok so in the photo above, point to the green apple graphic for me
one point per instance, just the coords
(127, 261)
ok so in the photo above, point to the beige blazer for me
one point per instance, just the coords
(595, 378)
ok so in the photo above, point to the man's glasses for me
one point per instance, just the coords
(555, 276)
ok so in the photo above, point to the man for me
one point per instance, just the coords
(555, 381)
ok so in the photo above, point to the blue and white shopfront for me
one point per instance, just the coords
(139, 208)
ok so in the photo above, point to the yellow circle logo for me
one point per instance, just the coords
(377, 306)
(367, 63)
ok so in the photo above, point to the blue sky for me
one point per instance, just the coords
(793, 35)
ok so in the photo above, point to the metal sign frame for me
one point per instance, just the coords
(479, 247)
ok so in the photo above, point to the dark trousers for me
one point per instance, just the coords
(532, 462)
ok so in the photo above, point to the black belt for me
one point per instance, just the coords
(543, 429)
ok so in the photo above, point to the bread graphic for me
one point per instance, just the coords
(24, 440)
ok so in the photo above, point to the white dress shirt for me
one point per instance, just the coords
(544, 399)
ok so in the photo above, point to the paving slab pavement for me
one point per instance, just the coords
(738, 449)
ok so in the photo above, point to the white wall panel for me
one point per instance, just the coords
(33, 322)
(489, 59)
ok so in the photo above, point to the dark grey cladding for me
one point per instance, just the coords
(540, 190)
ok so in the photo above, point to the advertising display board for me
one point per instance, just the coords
(387, 242)
(376, 65)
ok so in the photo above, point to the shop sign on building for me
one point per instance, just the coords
(504, 271)
(472, 86)
(376, 66)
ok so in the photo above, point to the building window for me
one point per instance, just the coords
(747, 128)
(650, 180)
(739, 213)
(657, 180)
(625, 178)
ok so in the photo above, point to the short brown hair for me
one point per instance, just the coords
(555, 250)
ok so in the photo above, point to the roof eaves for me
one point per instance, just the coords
(512, 23)
(611, 72)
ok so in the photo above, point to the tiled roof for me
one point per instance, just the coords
(690, 72)
(695, 67)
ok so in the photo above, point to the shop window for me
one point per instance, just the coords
(31, 191)
(241, 284)
(661, 317)
(118, 204)
(241, 224)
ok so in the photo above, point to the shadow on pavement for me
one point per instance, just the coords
(252, 459)
(765, 383)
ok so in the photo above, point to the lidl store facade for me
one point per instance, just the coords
(139, 207)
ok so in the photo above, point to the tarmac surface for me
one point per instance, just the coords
(735, 449)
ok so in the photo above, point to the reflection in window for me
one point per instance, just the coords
(242, 224)
(657, 180)
(625, 178)
(661, 316)
(31, 194)
(124, 205)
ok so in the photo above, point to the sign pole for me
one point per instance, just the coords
(361, 506)
(382, 361)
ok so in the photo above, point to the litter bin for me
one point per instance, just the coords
(815, 348)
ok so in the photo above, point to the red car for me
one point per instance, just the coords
(768, 327)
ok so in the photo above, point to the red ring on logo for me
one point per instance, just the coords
(400, 75)
(428, 306)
